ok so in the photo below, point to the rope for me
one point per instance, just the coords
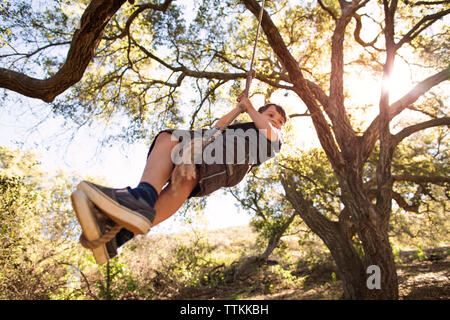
(108, 236)
(189, 169)
(250, 74)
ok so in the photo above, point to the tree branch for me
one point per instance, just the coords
(370, 136)
(140, 8)
(296, 115)
(222, 76)
(396, 139)
(357, 34)
(342, 127)
(402, 178)
(418, 91)
(403, 204)
(209, 92)
(193, 73)
(337, 59)
(424, 23)
(320, 95)
(419, 3)
(301, 86)
(82, 49)
(328, 10)
(421, 179)
(30, 54)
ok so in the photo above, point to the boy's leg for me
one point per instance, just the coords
(170, 201)
(159, 164)
(134, 208)
(166, 205)
(157, 171)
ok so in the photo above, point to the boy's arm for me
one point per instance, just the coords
(261, 123)
(222, 121)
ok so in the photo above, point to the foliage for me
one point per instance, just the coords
(261, 197)
(420, 205)
(156, 69)
(31, 242)
(118, 283)
(192, 264)
(316, 180)
(38, 256)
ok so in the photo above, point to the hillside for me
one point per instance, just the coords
(200, 265)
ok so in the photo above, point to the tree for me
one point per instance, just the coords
(272, 215)
(37, 228)
(309, 50)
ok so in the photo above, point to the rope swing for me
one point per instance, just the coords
(250, 73)
(185, 170)
(188, 170)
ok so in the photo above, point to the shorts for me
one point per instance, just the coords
(212, 177)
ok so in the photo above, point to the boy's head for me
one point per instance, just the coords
(275, 114)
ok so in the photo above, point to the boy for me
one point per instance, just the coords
(111, 217)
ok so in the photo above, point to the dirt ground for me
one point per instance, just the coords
(428, 278)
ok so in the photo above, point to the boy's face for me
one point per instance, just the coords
(272, 115)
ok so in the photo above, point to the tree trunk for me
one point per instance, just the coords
(275, 238)
(248, 265)
(378, 252)
(355, 272)
(337, 236)
(371, 226)
(350, 268)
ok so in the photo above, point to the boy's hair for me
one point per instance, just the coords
(279, 109)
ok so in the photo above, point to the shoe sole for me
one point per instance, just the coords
(121, 215)
(84, 209)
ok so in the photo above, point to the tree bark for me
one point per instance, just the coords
(275, 238)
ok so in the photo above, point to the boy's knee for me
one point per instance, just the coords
(166, 138)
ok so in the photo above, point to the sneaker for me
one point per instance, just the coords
(95, 225)
(125, 209)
